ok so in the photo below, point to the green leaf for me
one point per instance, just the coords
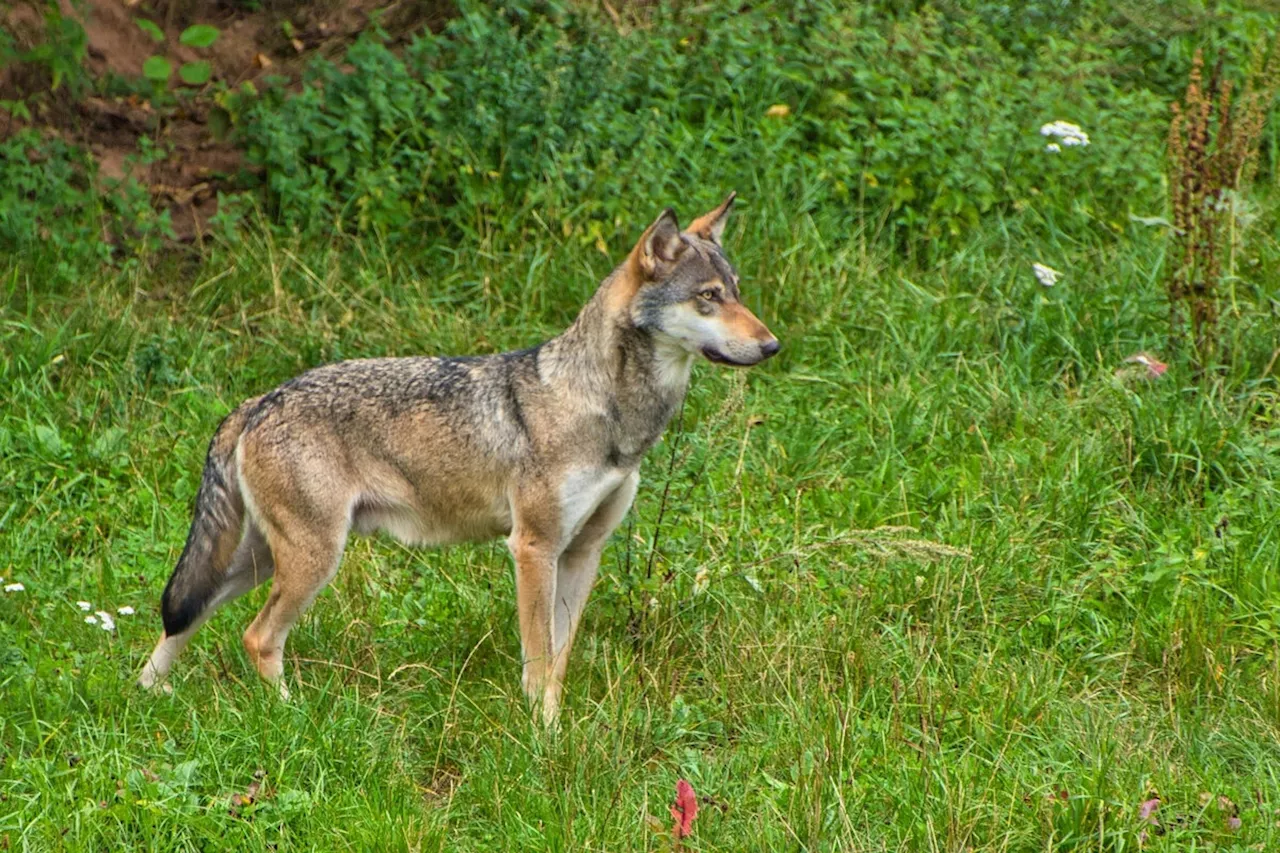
(195, 73)
(150, 28)
(50, 440)
(18, 109)
(219, 123)
(157, 68)
(199, 35)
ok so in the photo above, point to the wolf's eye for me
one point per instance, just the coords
(710, 294)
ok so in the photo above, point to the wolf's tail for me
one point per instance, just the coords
(216, 529)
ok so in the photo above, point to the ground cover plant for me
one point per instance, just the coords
(978, 561)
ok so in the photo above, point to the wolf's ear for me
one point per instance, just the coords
(660, 244)
(709, 226)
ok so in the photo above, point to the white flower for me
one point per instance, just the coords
(84, 605)
(108, 624)
(91, 620)
(1047, 276)
(125, 611)
(1069, 133)
(1053, 148)
(14, 587)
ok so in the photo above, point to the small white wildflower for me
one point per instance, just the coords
(84, 605)
(125, 611)
(653, 604)
(1069, 133)
(91, 620)
(1047, 276)
(108, 624)
(1053, 148)
(14, 587)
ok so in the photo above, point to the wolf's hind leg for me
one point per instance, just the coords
(305, 562)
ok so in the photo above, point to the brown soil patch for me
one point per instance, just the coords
(278, 38)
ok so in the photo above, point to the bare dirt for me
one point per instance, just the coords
(264, 42)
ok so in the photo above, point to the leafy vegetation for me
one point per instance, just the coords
(944, 574)
(159, 70)
(49, 200)
(920, 125)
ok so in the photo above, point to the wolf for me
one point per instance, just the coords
(542, 446)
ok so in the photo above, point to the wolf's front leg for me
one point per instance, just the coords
(577, 571)
(537, 551)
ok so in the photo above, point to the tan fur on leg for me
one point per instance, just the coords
(577, 572)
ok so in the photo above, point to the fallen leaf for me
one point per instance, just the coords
(778, 111)
(262, 60)
(684, 810)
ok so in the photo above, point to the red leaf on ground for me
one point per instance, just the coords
(685, 809)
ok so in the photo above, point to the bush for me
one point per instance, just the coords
(52, 207)
(921, 124)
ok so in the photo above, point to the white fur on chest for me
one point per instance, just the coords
(581, 494)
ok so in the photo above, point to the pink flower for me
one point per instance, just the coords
(684, 810)
(1147, 811)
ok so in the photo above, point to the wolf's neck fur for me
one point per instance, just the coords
(603, 358)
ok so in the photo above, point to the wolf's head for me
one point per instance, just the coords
(686, 292)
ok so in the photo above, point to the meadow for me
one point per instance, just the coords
(948, 573)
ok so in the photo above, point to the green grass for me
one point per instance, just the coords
(837, 684)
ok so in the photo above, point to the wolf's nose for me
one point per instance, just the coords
(770, 347)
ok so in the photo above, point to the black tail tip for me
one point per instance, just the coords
(180, 615)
